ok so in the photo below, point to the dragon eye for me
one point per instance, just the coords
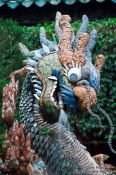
(74, 75)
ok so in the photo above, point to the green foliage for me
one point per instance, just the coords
(11, 59)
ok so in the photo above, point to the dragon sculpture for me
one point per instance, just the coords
(61, 80)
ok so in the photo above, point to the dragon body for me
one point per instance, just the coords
(56, 85)
(51, 145)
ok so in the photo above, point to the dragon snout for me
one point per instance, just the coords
(86, 96)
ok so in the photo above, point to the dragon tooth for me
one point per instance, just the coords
(52, 78)
(55, 84)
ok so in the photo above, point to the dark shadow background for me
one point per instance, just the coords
(34, 14)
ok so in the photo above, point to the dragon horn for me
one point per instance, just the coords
(83, 28)
(65, 53)
(90, 45)
(58, 30)
(79, 56)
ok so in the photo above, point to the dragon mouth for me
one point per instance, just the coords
(54, 94)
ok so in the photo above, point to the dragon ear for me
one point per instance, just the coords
(47, 44)
(99, 62)
(90, 45)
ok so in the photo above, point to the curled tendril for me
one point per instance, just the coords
(111, 128)
(90, 111)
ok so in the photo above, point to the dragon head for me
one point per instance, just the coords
(75, 55)
(68, 64)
